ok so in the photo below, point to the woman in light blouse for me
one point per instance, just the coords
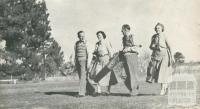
(160, 66)
(103, 53)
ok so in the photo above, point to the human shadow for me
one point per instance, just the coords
(62, 93)
(127, 95)
(89, 90)
(146, 94)
(119, 94)
(74, 94)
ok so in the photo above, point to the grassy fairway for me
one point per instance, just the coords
(61, 95)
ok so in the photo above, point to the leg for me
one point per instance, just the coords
(133, 66)
(105, 90)
(98, 88)
(132, 70)
(90, 88)
(78, 67)
(150, 71)
(82, 88)
(156, 70)
(127, 82)
(109, 88)
(163, 88)
(94, 89)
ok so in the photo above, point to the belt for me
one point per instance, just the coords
(102, 55)
(131, 52)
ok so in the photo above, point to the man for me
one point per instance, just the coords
(130, 54)
(81, 58)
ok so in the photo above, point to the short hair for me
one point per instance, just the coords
(104, 35)
(126, 26)
(161, 25)
(79, 33)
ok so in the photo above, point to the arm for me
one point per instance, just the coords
(133, 48)
(167, 44)
(110, 50)
(87, 54)
(75, 57)
(170, 50)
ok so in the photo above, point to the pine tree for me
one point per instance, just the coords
(24, 24)
(53, 58)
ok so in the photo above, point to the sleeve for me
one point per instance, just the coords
(134, 48)
(123, 45)
(154, 41)
(132, 41)
(95, 50)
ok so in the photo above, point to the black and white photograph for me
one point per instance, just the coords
(99, 54)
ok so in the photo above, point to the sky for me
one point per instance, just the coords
(180, 18)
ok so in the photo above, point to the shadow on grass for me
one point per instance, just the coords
(127, 95)
(74, 94)
(119, 94)
(62, 93)
(146, 94)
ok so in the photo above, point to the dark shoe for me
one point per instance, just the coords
(138, 87)
(104, 94)
(79, 96)
(148, 81)
(95, 94)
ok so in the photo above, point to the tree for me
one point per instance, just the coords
(179, 58)
(24, 24)
(68, 68)
(54, 58)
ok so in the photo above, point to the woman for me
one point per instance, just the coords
(102, 53)
(160, 66)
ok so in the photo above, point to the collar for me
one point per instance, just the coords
(84, 41)
(129, 36)
(102, 42)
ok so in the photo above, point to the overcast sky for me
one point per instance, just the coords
(180, 17)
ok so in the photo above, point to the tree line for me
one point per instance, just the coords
(30, 51)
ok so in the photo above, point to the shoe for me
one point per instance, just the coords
(79, 96)
(104, 94)
(148, 81)
(135, 93)
(95, 94)
(162, 92)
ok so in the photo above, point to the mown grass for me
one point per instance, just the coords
(61, 95)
